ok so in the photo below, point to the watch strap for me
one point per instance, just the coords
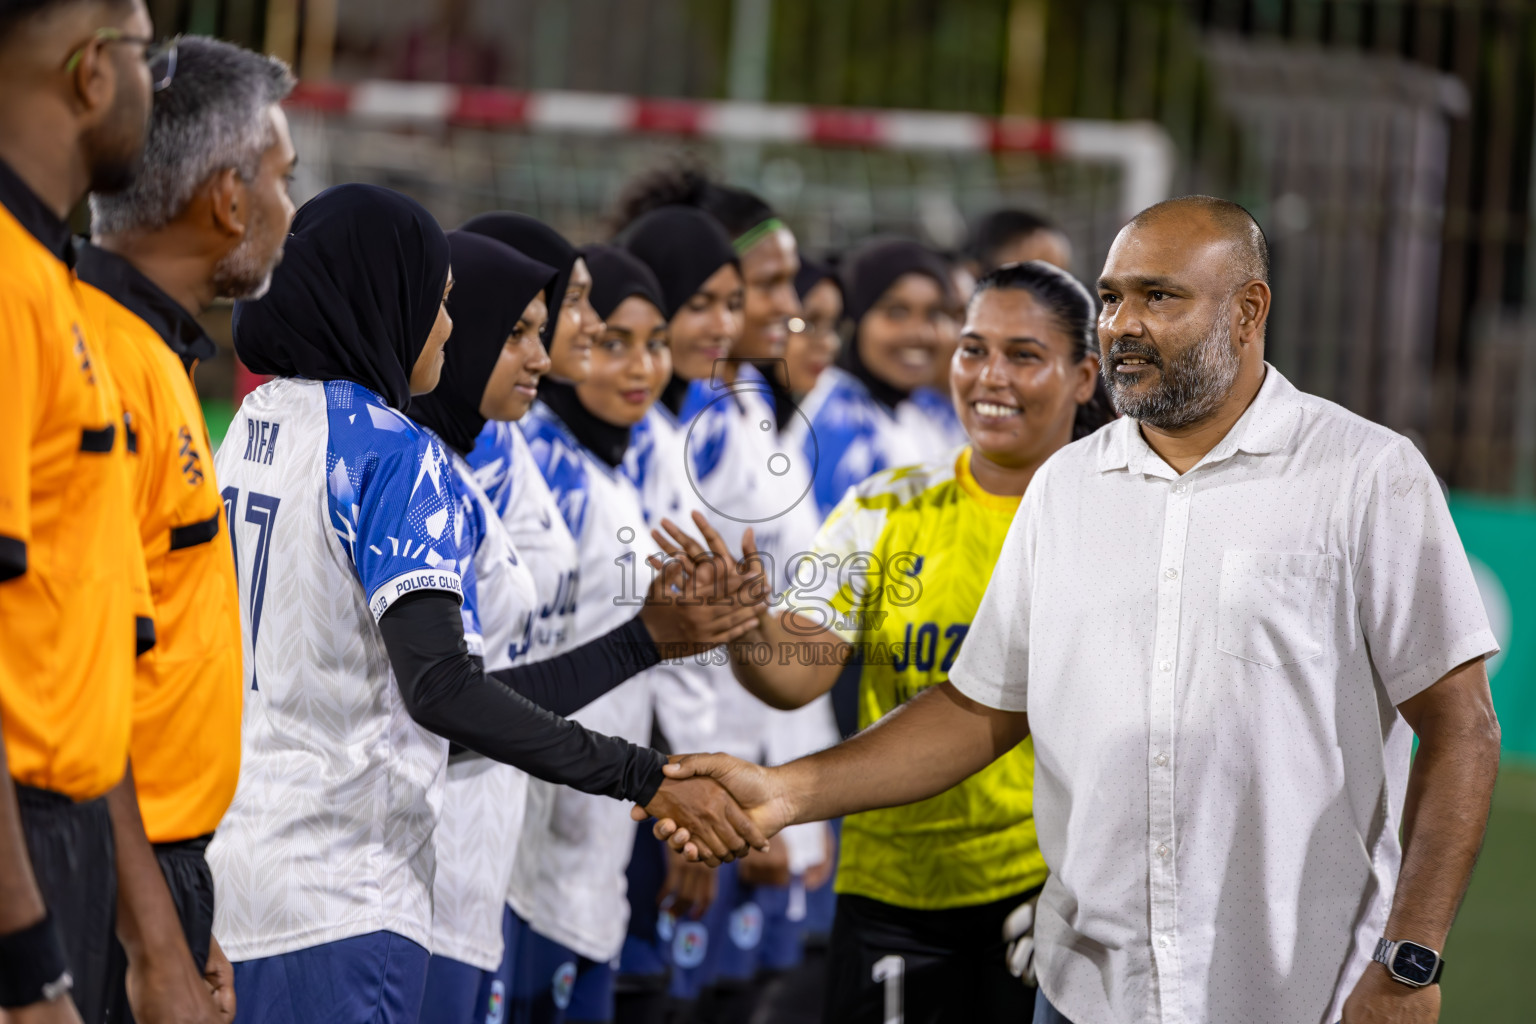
(33, 967)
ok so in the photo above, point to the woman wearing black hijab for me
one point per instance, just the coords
(731, 455)
(572, 325)
(813, 339)
(498, 309)
(895, 294)
(769, 255)
(581, 435)
(492, 372)
(630, 300)
(701, 287)
(356, 660)
(361, 301)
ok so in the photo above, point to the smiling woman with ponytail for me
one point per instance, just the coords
(950, 882)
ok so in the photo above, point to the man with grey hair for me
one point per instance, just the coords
(210, 209)
(1222, 618)
(205, 219)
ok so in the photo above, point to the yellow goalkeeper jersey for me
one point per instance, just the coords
(914, 549)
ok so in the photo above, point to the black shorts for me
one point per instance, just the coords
(943, 966)
(190, 880)
(70, 845)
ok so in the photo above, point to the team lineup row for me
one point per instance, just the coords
(517, 319)
(394, 725)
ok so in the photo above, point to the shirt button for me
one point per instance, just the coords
(1162, 850)
(1170, 574)
(1162, 942)
(1180, 488)
(1165, 665)
(1160, 760)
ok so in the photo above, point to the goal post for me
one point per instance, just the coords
(562, 155)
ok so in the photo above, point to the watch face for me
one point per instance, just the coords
(1414, 963)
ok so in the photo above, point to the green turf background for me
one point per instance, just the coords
(1501, 539)
(1487, 956)
(218, 412)
(1486, 980)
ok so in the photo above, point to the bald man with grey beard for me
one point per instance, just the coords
(1223, 619)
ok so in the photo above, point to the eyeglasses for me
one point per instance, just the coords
(160, 56)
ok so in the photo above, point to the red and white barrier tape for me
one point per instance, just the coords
(1142, 149)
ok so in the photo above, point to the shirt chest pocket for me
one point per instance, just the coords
(1274, 607)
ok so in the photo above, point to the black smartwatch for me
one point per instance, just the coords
(1409, 962)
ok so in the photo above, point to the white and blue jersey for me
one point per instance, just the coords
(741, 457)
(931, 420)
(683, 690)
(568, 880)
(848, 436)
(345, 508)
(653, 462)
(505, 468)
(735, 465)
(743, 475)
(788, 735)
(483, 803)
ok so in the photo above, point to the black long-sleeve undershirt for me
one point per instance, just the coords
(569, 682)
(446, 691)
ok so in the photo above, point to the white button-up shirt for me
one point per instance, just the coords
(1211, 664)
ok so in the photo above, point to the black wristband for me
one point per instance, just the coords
(32, 966)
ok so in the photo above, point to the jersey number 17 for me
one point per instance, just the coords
(261, 512)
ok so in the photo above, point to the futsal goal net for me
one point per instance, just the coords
(837, 175)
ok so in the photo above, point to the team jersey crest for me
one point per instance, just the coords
(690, 944)
(563, 983)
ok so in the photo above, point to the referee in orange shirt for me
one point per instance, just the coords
(75, 84)
(204, 219)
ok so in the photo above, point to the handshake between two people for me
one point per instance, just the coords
(703, 596)
(716, 808)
